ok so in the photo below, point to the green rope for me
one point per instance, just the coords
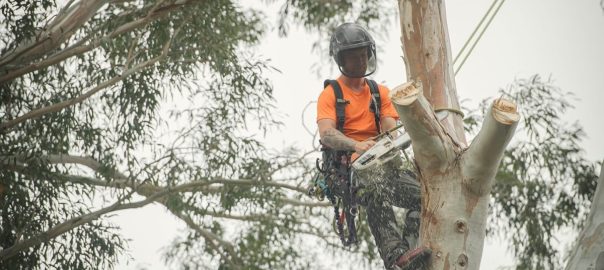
(474, 32)
(481, 33)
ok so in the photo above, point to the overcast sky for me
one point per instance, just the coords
(563, 39)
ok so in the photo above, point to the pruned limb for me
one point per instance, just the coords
(481, 160)
(430, 143)
(64, 104)
(589, 250)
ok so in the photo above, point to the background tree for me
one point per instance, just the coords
(86, 88)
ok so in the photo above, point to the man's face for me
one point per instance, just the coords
(354, 61)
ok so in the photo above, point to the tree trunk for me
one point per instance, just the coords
(456, 179)
(589, 252)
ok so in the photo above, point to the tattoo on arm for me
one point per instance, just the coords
(338, 141)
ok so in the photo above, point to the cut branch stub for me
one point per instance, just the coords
(505, 111)
(404, 94)
(431, 144)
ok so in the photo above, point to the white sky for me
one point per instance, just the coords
(563, 39)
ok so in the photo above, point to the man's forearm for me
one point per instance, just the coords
(334, 139)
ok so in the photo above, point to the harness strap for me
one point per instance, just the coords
(333, 160)
(376, 103)
(340, 103)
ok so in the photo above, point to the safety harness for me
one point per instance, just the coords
(376, 102)
(335, 168)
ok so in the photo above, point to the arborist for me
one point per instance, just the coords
(351, 111)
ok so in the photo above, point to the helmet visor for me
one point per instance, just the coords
(358, 62)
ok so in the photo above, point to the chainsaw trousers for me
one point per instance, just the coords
(379, 190)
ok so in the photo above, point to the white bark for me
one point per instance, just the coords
(456, 184)
(589, 252)
(456, 181)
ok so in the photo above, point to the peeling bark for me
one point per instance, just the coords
(428, 58)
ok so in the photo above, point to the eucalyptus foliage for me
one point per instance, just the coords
(112, 105)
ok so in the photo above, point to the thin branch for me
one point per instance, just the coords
(291, 162)
(212, 239)
(325, 238)
(95, 165)
(303, 203)
(62, 27)
(64, 104)
(256, 182)
(60, 159)
(72, 223)
(131, 53)
(78, 48)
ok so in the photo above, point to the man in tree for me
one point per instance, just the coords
(351, 111)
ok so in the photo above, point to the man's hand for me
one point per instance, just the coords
(361, 147)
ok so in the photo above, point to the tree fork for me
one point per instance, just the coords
(456, 179)
(453, 225)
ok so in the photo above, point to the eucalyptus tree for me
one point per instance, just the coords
(457, 177)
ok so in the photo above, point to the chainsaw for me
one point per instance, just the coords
(387, 145)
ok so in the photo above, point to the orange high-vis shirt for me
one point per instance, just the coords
(359, 122)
